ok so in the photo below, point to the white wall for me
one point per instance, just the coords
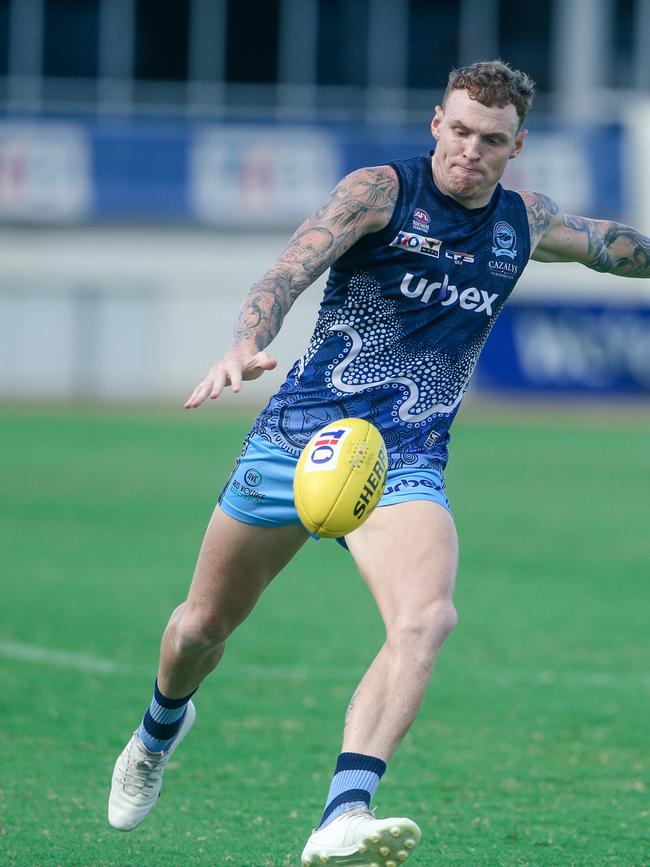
(141, 314)
(129, 313)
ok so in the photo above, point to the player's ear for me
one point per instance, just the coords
(519, 143)
(435, 123)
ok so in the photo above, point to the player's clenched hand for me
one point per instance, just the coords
(236, 365)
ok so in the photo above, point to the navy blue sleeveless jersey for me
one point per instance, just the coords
(404, 317)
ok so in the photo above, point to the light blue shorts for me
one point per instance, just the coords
(260, 488)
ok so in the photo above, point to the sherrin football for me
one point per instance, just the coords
(340, 477)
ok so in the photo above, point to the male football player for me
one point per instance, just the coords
(423, 254)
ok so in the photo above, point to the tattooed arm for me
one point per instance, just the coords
(599, 244)
(363, 202)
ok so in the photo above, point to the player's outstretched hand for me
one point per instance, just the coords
(235, 366)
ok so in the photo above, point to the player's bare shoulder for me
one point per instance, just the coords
(362, 201)
(372, 192)
(542, 213)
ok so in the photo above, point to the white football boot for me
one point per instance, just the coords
(357, 838)
(137, 778)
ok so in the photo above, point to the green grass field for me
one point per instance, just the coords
(533, 744)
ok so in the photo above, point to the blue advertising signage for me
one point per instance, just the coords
(253, 173)
(551, 348)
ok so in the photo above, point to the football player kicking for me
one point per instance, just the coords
(423, 254)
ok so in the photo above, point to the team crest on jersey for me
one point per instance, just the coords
(460, 258)
(417, 244)
(421, 220)
(504, 240)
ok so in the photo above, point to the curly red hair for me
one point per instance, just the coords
(493, 82)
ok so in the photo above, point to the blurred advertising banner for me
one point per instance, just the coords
(260, 176)
(581, 169)
(553, 348)
(45, 173)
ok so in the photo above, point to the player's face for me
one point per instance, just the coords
(474, 144)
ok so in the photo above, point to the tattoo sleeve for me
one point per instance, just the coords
(363, 202)
(602, 245)
(541, 211)
(613, 247)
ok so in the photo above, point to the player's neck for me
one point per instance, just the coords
(470, 202)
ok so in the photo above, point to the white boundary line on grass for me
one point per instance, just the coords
(96, 665)
(84, 662)
(59, 658)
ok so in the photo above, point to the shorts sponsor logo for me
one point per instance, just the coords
(433, 437)
(253, 477)
(376, 477)
(417, 244)
(324, 453)
(246, 492)
(460, 258)
(447, 294)
(408, 484)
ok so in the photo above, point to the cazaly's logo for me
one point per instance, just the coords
(504, 240)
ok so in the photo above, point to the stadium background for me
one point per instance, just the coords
(153, 158)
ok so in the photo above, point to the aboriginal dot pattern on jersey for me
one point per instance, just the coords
(376, 353)
(401, 327)
(363, 362)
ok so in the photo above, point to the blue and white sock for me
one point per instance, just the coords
(355, 779)
(163, 719)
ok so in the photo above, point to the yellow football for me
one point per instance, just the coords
(340, 477)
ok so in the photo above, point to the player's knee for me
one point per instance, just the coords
(199, 631)
(423, 632)
(444, 618)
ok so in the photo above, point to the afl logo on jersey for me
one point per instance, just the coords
(421, 220)
(504, 240)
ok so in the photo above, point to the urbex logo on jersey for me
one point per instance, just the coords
(469, 299)
(324, 453)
